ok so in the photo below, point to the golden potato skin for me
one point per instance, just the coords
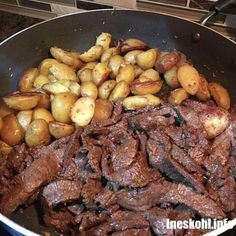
(220, 95)
(4, 109)
(126, 73)
(105, 89)
(89, 89)
(12, 133)
(146, 60)
(203, 93)
(45, 65)
(103, 109)
(42, 113)
(24, 118)
(120, 91)
(27, 79)
(37, 133)
(132, 44)
(1, 124)
(60, 130)
(44, 101)
(177, 96)
(61, 105)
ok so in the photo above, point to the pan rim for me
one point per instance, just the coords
(25, 231)
(114, 10)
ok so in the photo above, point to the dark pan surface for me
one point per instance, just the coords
(213, 55)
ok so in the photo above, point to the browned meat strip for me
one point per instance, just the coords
(133, 232)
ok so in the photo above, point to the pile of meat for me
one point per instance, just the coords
(127, 175)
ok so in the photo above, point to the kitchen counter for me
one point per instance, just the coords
(11, 23)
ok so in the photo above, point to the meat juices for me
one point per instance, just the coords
(128, 174)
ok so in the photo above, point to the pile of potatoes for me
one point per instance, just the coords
(72, 88)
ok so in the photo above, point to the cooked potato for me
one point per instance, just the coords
(82, 111)
(105, 89)
(59, 130)
(68, 58)
(89, 89)
(188, 78)
(85, 75)
(24, 118)
(12, 133)
(74, 88)
(40, 80)
(45, 65)
(115, 63)
(4, 148)
(1, 124)
(55, 88)
(22, 101)
(144, 86)
(93, 54)
(52, 78)
(130, 57)
(27, 79)
(171, 79)
(138, 101)
(44, 100)
(215, 121)
(220, 95)
(104, 39)
(203, 93)
(62, 72)
(61, 105)
(121, 90)
(132, 44)
(42, 113)
(4, 109)
(100, 73)
(90, 65)
(103, 109)
(177, 96)
(166, 61)
(65, 82)
(37, 133)
(108, 53)
(138, 71)
(126, 73)
(151, 74)
(147, 59)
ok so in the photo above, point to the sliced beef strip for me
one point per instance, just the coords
(134, 232)
(61, 191)
(94, 158)
(163, 191)
(106, 198)
(40, 172)
(136, 175)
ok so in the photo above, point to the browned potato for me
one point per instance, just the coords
(220, 95)
(171, 79)
(100, 73)
(85, 75)
(45, 65)
(4, 148)
(93, 54)
(115, 63)
(121, 90)
(177, 96)
(90, 65)
(89, 89)
(138, 71)
(62, 72)
(105, 89)
(151, 74)
(27, 79)
(138, 101)
(103, 109)
(166, 61)
(12, 133)
(66, 57)
(40, 80)
(37, 133)
(42, 113)
(1, 124)
(147, 59)
(203, 93)
(24, 118)
(132, 44)
(61, 105)
(55, 88)
(59, 130)
(188, 78)
(44, 100)
(4, 109)
(104, 39)
(108, 53)
(142, 87)
(82, 111)
(74, 87)
(130, 57)
(22, 101)
(126, 73)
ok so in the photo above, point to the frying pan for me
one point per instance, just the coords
(211, 53)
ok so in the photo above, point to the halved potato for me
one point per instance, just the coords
(93, 54)
(104, 39)
(151, 74)
(115, 63)
(40, 80)
(37, 133)
(82, 111)
(27, 79)
(147, 59)
(4, 109)
(4, 148)
(103, 109)
(105, 89)
(171, 79)
(177, 96)
(130, 57)
(44, 100)
(108, 53)
(100, 73)
(75, 88)
(126, 73)
(220, 95)
(138, 101)
(120, 91)
(89, 65)
(1, 124)
(62, 72)
(55, 88)
(42, 113)
(59, 130)
(45, 65)
(132, 44)
(22, 101)
(12, 132)
(24, 118)
(203, 93)
(85, 74)
(89, 89)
